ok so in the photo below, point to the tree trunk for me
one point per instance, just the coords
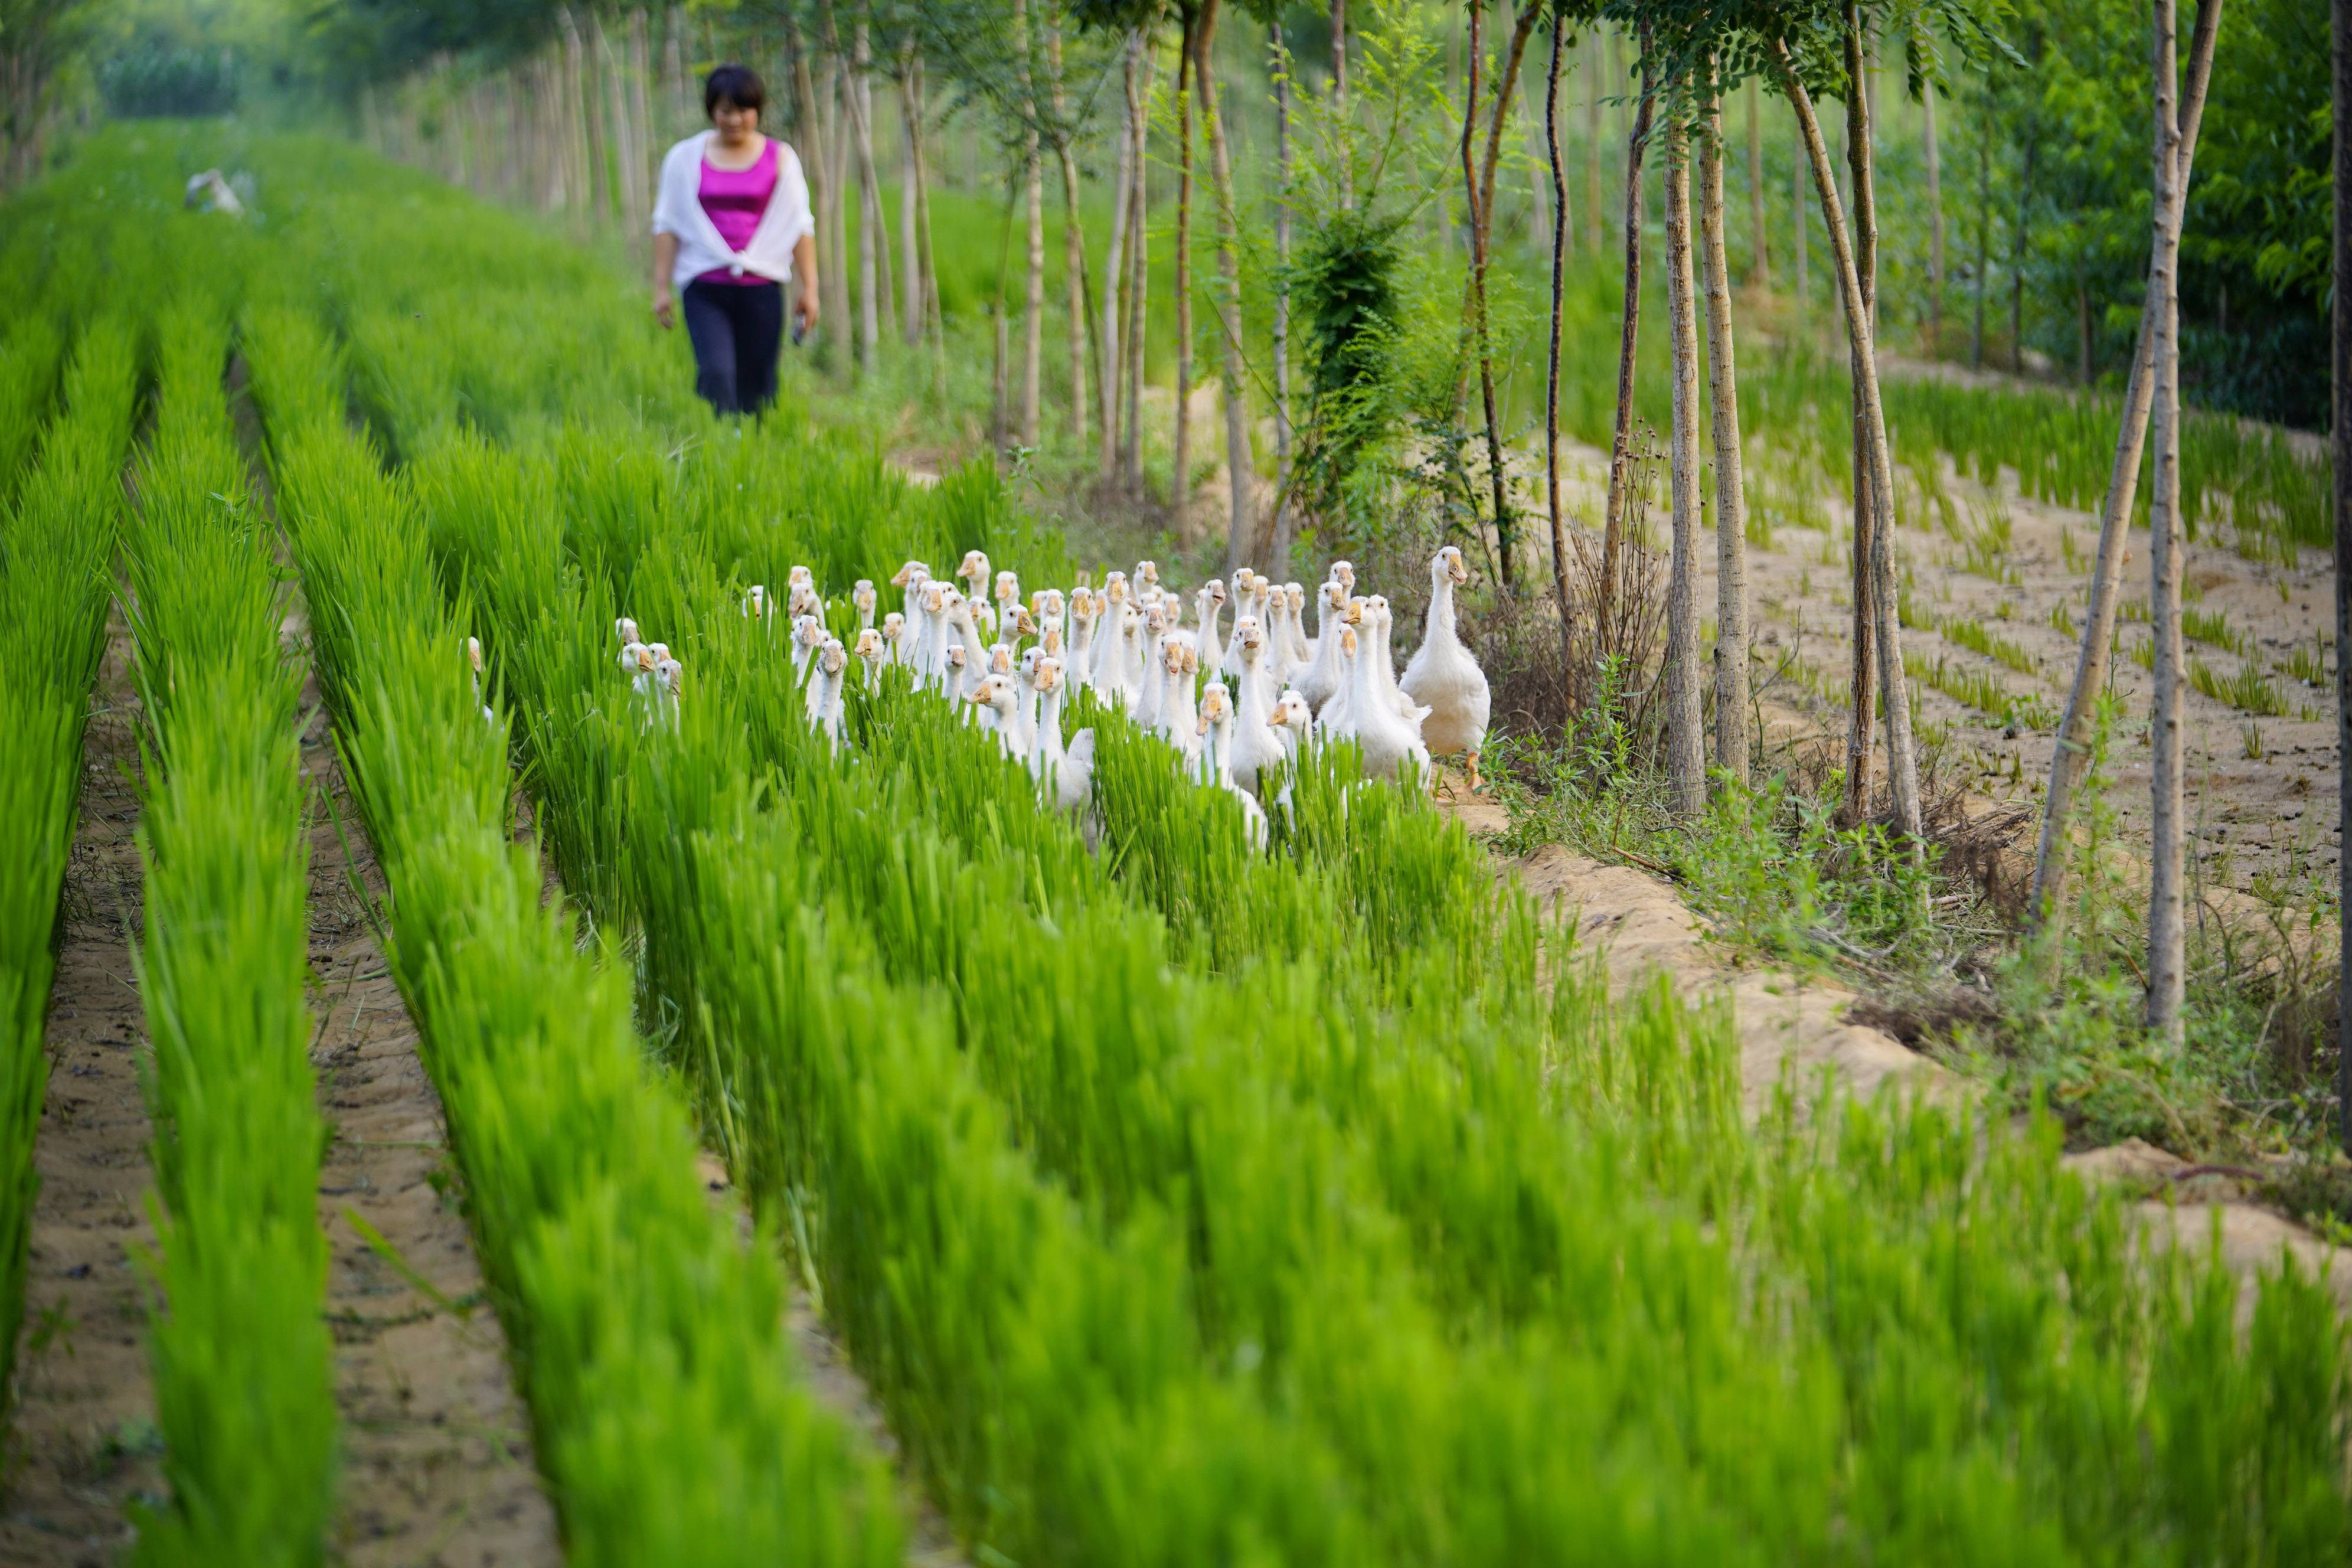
(1180, 484)
(930, 257)
(1082, 340)
(679, 98)
(1935, 219)
(911, 318)
(1278, 557)
(1241, 543)
(1478, 189)
(1685, 742)
(2167, 945)
(1114, 291)
(1730, 490)
(1863, 696)
(1760, 267)
(1560, 231)
(1033, 183)
(640, 172)
(1139, 258)
(2340, 439)
(1620, 452)
(871, 290)
(1901, 760)
(1865, 371)
(2071, 758)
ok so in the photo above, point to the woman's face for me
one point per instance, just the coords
(734, 123)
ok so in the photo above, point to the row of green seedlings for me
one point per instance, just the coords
(244, 1365)
(59, 523)
(670, 1418)
(1143, 1238)
(1926, 1221)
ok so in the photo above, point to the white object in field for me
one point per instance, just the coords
(626, 630)
(864, 599)
(871, 655)
(1066, 775)
(1384, 738)
(1215, 724)
(995, 700)
(1320, 680)
(1445, 678)
(827, 679)
(209, 191)
(1254, 746)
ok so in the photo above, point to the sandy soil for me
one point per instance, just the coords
(1789, 1023)
(82, 1444)
(438, 1450)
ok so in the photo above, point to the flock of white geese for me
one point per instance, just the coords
(1009, 666)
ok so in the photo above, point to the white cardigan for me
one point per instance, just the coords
(677, 210)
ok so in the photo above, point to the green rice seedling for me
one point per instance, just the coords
(2213, 626)
(671, 1423)
(1971, 635)
(1989, 543)
(2250, 689)
(1976, 688)
(244, 1366)
(2309, 665)
(2061, 618)
(2143, 653)
(53, 545)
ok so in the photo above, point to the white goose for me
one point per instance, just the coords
(1443, 678)
(1066, 775)
(872, 656)
(1215, 725)
(826, 678)
(1320, 680)
(865, 599)
(1384, 738)
(1254, 746)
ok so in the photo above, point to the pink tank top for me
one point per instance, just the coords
(736, 199)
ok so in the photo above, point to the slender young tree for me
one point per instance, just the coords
(1620, 452)
(1730, 489)
(1082, 342)
(1863, 353)
(1180, 485)
(2167, 940)
(1685, 742)
(1560, 242)
(1596, 81)
(1279, 555)
(911, 320)
(1934, 172)
(1033, 186)
(1114, 281)
(1473, 198)
(1139, 252)
(2340, 442)
(1863, 685)
(1240, 470)
(2071, 759)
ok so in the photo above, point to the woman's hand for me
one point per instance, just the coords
(805, 311)
(665, 310)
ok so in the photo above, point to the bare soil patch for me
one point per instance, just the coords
(437, 1447)
(83, 1443)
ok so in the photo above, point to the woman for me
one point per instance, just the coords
(732, 226)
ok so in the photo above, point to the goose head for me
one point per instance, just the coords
(629, 657)
(1048, 605)
(1000, 659)
(1049, 675)
(1049, 639)
(646, 661)
(1155, 621)
(755, 602)
(831, 657)
(660, 650)
(669, 671)
(1008, 588)
(933, 601)
(1114, 588)
(809, 632)
(995, 692)
(1291, 713)
(1446, 566)
(1216, 705)
(1172, 656)
(1344, 572)
(474, 653)
(626, 630)
(805, 600)
(1353, 615)
(800, 577)
(869, 645)
(1249, 637)
(974, 571)
(1147, 571)
(911, 572)
(894, 628)
(862, 596)
(1335, 596)
(1017, 624)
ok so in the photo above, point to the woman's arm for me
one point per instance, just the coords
(665, 259)
(805, 274)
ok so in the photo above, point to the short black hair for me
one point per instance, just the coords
(738, 85)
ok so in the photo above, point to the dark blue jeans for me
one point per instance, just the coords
(737, 330)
